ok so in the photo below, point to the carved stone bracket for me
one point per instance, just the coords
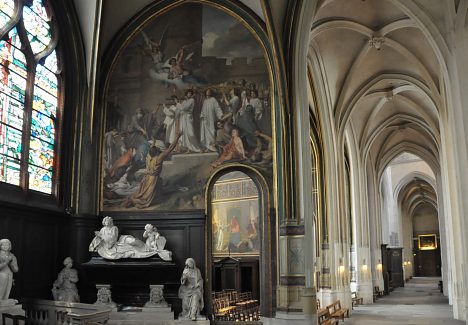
(156, 296)
(104, 295)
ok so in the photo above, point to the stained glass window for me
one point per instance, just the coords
(29, 88)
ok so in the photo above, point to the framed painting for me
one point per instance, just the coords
(427, 242)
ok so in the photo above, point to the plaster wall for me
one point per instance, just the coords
(399, 171)
(86, 12)
(425, 220)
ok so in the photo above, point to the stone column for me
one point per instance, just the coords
(291, 268)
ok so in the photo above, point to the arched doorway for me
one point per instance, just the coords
(239, 246)
(426, 237)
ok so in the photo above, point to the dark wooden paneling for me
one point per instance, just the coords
(38, 239)
(395, 266)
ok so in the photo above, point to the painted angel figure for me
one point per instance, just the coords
(155, 49)
(174, 73)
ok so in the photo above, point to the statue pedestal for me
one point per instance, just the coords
(11, 307)
(130, 278)
(191, 322)
(142, 318)
(147, 316)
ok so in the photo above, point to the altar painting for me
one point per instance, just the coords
(188, 93)
(235, 217)
(427, 242)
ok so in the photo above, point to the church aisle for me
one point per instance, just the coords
(419, 302)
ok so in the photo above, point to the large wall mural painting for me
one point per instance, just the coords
(187, 94)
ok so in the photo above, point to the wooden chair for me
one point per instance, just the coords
(222, 310)
(356, 300)
(324, 317)
(336, 311)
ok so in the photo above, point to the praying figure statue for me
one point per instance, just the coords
(109, 245)
(8, 266)
(64, 288)
(191, 291)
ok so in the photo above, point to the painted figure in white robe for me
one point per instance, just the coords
(233, 103)
(220, 238)
(210, 114)
(256, 104)
(187, 142)
(170, 122)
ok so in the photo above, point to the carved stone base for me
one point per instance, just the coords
(157, 322)
(9, 307)
(143, 316)
(192, 322)
(199, 317)
(156, 297)
(130, 278)
(104, 296)
(8, 303)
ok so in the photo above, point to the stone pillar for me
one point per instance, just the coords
(291, 268)
(364, 275)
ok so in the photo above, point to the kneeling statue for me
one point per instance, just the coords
(64, 288)
(191, 291)
(8, 266)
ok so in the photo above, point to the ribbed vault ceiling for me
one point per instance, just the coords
(415, 193)
(382, 78)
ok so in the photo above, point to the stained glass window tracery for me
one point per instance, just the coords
(29, 89)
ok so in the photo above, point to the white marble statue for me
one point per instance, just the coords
(8, 265)
(64, 288)
(155, 242)
(109, 245)
(191, 291)
(156, 297)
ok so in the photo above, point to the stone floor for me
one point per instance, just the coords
(418, 303)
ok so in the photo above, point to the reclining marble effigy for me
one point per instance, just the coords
(109, 245)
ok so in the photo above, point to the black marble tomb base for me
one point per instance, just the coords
(130, 278)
